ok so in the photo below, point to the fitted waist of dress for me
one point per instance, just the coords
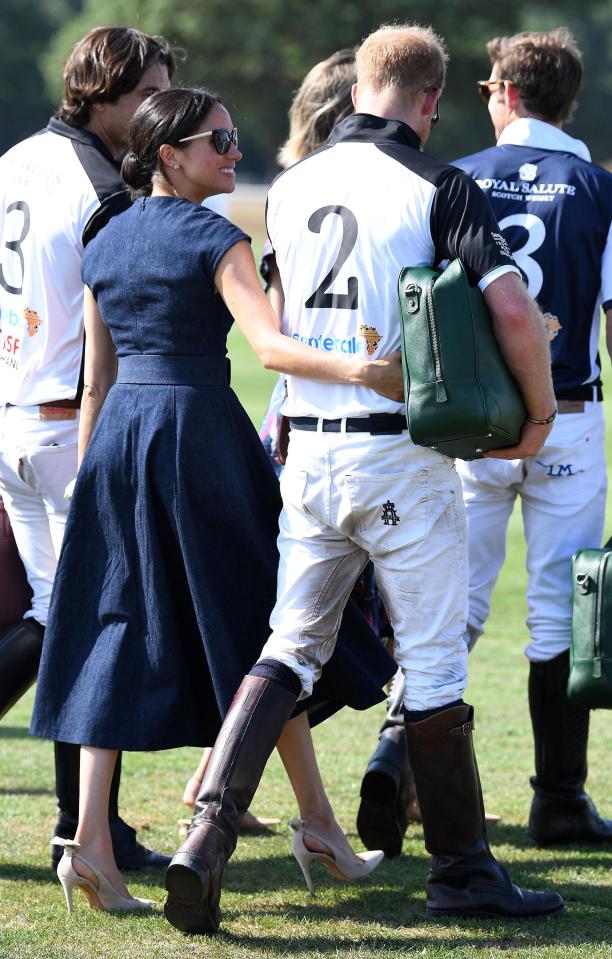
(157, 369)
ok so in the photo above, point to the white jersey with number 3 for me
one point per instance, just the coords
(48, 195)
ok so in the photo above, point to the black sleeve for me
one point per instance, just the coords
(109, 207)
(463, 226)
(268, 259)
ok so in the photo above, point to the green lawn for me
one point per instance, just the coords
(267, 909)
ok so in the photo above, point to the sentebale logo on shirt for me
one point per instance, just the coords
(367, 341)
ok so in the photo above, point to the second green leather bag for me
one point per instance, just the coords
(590, 678)
(461, 399)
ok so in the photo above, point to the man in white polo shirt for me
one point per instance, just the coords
(57, 190)
(342, 224)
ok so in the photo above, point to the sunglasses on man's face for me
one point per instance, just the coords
(484, 88)
(221, 139)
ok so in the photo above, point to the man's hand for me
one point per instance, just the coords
(533, 437)
(385, 376)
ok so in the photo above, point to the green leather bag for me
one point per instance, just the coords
(590, 678)
(460, 396)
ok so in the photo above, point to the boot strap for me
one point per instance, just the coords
(464, 730)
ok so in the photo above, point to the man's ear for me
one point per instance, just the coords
(354, 94)
(429, 102)
(513, 98)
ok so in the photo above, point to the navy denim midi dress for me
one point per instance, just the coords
(167, 574)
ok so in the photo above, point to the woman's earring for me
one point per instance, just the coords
(177, 166)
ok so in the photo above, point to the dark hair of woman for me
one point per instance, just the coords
(164, 117)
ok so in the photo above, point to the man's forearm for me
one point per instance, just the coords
(520, 332)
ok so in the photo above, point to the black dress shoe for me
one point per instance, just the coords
(128, 852)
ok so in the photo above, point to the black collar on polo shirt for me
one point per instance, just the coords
(367, 128)
(64, 129)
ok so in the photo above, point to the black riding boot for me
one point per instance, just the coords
(251, 729)
(464, 879)
(128, 852)
(561, 811)
(388, 794)
(20, 649)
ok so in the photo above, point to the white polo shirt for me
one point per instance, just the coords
(56, 190)
(344, 222)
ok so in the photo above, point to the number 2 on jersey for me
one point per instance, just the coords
(321, 297)
(536, 234)
(14, 246)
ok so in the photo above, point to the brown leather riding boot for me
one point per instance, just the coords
(251, 729)
(464, 879)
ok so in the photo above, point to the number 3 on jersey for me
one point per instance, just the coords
(321, 297)
(14, 246)
(536, 234)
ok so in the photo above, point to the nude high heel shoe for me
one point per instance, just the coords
(336, 861)
(101, 894)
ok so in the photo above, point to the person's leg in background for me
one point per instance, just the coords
(21, 642)
(563, 502)
(388, 797)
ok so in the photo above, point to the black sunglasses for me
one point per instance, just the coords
(222, 139)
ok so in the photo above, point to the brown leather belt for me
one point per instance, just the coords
(570, 406)
(74, 404)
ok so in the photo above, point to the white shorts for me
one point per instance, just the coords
(38, 458)
(563, 500)
(352, 496)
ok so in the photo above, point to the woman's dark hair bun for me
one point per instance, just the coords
(164, 117)
(134, 173)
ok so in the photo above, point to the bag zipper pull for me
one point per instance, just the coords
(413, 297)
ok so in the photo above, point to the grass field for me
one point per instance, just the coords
(267, 910)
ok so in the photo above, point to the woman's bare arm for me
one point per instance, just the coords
(237, 281)
(100, 370)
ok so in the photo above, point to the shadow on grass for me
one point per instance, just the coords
(25, 872)
(25, 791)
(511, 834)
(482, 935)
(397, 890)
(14, 732)
(22, 872)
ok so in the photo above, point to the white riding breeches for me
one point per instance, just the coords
(563, 499)
(352, 496)
(38, 458)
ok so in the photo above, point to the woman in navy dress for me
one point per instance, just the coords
(168, 570)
